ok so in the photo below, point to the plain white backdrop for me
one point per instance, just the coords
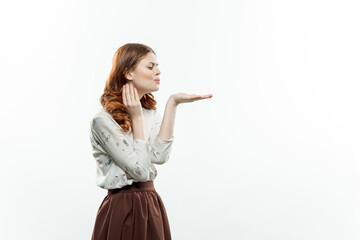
(273, 155)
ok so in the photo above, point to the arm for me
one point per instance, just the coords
(138, 128)
(162, 144)
(134, 159)
(167, 124)
(163, 129)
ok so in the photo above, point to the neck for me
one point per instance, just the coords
(141, 93)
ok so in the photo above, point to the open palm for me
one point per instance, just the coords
(184, 97)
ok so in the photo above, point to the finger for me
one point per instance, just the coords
(136, 95)
(128, 100)
(207, 96)
(203, 96)
(132, 97)
(124, 95)
(200, 97)
(195, 96)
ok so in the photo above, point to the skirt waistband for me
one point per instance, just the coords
(134, 187)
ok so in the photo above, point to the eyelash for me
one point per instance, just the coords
(150, 68)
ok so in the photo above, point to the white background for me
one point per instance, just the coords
(273, 155)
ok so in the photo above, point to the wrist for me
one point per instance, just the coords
(138, 118)
(171, 102)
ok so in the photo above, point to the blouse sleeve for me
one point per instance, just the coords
(134, 159)
(160, 148)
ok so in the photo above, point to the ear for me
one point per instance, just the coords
(128, 75)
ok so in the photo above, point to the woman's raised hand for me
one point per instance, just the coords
(131, 100)
(184, 97)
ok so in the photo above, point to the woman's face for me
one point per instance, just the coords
(145, 75)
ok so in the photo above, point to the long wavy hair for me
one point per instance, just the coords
(127, 57)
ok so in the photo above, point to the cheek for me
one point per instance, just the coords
(145, 74)
(145, 79)
(148, 75)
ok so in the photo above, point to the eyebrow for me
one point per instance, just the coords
(154, 63)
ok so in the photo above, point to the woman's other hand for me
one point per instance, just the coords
(131, 101)
(184, 98)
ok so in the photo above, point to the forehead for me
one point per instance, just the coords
(150, 57)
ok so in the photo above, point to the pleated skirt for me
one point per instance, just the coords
(134, 212)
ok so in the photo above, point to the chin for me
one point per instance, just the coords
(155, 90)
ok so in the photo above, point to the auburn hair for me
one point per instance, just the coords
(127, 57)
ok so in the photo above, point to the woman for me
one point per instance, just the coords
(128, 137)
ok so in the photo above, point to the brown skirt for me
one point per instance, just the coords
(133, 212)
